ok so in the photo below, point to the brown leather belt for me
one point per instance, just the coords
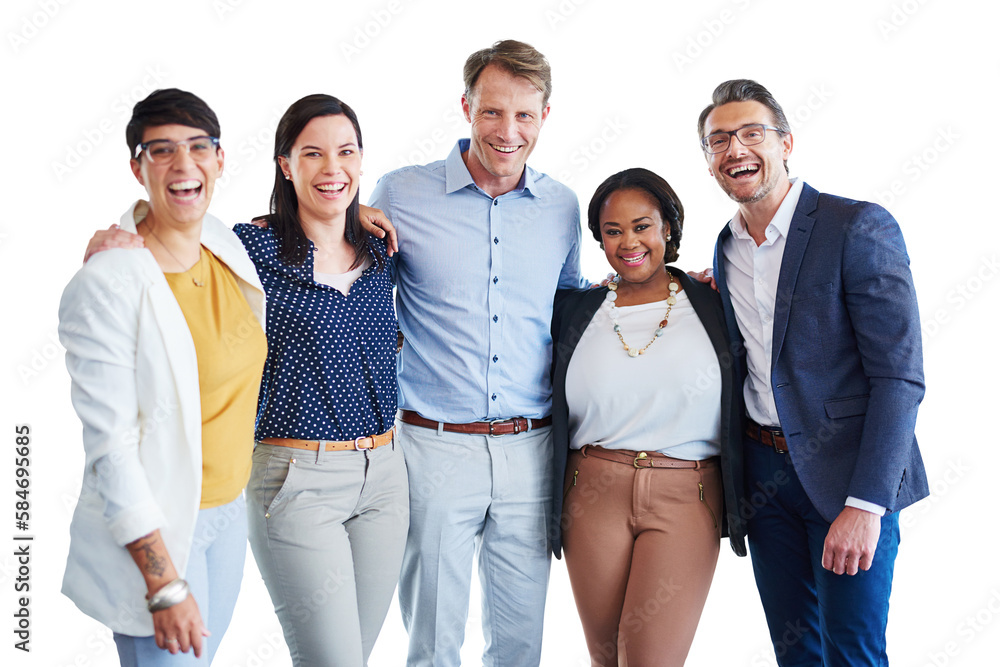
(495, 428)
(369, 442)
(643, 459)
(767, 436)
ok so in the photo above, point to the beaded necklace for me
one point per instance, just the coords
(612, 296)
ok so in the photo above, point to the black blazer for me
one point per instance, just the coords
(572, 313)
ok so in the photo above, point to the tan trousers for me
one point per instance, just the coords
(641, 547)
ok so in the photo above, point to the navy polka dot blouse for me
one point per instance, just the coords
(331, 359)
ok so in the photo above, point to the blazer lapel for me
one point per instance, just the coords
(799, 233)
(706, 312)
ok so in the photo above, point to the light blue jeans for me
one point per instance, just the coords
(214, 573)
(473, 493)
(327, 530)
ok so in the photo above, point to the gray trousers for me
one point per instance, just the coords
(328, 530)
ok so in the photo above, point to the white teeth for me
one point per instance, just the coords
(505, 149)
(634, 260)
(743, 167)
(184, 185)
(331, 187)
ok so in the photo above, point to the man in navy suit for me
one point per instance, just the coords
(821, 309)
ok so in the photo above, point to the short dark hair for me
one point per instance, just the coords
(656, 187)
(745, 90)
(284, 217)
(170, 106)
(517, 58)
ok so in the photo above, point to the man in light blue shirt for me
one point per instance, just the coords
(484, 242)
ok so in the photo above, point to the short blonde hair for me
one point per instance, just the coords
(516, 57)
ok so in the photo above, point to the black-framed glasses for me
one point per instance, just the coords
(749, 135)
(161, 151)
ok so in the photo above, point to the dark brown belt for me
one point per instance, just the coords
(643, 459)
(495, 428)
(767, 436)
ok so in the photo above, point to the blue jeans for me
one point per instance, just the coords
(469, 493)
(214, 573)
(815, 617)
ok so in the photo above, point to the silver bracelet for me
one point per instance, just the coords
(173, 593)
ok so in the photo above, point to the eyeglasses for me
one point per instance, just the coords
(749, 135)
(162, 151)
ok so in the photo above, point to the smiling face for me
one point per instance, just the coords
(179, 190)
(749, 174)
(324, 165)
(634, 235)
(506, 114)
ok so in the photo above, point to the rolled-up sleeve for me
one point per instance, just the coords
(99, 326)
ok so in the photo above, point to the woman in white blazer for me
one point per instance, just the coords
(165, 347)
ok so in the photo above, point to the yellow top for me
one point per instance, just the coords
(231, 349)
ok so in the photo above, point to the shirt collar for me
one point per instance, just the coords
(781, 221)
(457, 175)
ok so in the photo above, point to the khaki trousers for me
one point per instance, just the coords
(641, 547)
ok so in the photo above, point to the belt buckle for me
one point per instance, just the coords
(641, 457)
(359, 447)
(517, 429)
(774, 434)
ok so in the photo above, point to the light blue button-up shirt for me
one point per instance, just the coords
(475, 278)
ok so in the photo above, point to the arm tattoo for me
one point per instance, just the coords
(155, 564)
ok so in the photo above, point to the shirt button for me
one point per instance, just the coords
(495, 240)
(495, 318)
(495, 358)
(495, 279)
(496, 202)
(494, 397)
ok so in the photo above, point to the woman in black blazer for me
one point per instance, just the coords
(647, 425)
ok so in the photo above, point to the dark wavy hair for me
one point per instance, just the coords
(169, 106)
(284, 216)
(656, 187)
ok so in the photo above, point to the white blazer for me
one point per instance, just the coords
(135, 388)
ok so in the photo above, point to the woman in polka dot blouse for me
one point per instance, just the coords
(327, 498)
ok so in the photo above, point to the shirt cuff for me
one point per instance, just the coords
(864, 505)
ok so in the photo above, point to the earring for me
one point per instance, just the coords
(668, 237)
(287, 177)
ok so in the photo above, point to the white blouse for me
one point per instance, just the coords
(668, 399)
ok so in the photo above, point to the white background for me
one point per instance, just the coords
(881, 93)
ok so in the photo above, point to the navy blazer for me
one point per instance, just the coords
(573, 311)
(847, 372)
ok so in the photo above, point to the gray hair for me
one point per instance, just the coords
(745, 90)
